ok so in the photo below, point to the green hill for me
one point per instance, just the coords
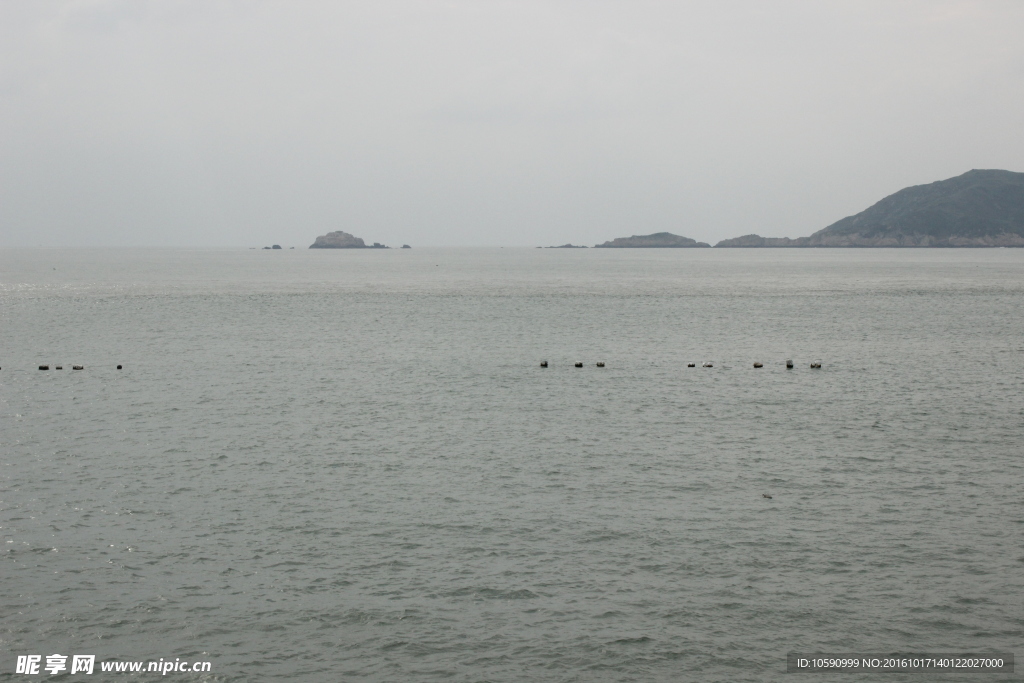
(981, 208)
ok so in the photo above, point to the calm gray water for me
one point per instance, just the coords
(347, 465)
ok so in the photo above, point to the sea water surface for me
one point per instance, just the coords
(348, 465)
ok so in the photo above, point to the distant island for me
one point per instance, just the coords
(659, 240)
(343, 240)
(981, 208)
(758, 241)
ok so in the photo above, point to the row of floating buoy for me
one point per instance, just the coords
(61, 367)
(707, 364)
(757, 364)
(578, 364)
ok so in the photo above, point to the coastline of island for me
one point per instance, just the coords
(343, 240)
(658, 240)
(980, 208)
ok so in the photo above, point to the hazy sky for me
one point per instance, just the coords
(489, 123)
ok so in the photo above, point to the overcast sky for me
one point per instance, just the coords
(436, 122)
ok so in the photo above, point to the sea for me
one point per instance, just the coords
(333, 465)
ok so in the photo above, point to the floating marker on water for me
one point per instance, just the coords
(765, 495)
(78, 367)
(44, 367)
(691, 365)
(816, 366)
(789, 365)
(579, 365)
(708, 365)
(543, 363)
(118, 367)
(58, 367)
(600, 365)
(758, 365)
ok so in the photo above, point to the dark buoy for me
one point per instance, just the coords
(708, 365)
(758, 365)
(543, 363)
(789, 365)
(44, 367)
(816, 366)
(765, 495)
(691, 365)
(118, 367)
(600, 365)
(58, 367)
(78, 367)
(579, 365)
